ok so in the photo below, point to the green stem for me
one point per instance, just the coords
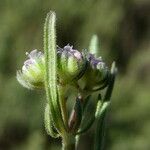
(77, 141)
(68, 142)
(100, 132)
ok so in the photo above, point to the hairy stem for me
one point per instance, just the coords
(68, 142)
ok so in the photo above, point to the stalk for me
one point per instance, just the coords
(68, 142)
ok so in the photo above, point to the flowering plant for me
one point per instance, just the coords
(58, 70)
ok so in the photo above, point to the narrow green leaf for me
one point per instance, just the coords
(100, 132)
(98, 108)
(48, 123)
(100, 126)
(94, 45)
(51, 70)
(78, 111)
(86, 126)
(101, 107)
(51, 53)
(76, 116)
(111, 82)
(101, 112)
(86, 102)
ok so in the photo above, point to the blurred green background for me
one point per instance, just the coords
(123, 27)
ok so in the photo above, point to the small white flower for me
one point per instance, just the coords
(32, 74)
(96, 75)
(71, 64)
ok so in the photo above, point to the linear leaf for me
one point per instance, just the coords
(94, 45)
(48, 123)
(51, 69)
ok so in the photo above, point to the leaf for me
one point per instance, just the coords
(51, 70)
(48, 123)
(87, 125)
(94, 45)
(101, 107)
(100, 115)
(101, 111)
(100, 132)
(76, 116)
(78, 111)
(111, 82)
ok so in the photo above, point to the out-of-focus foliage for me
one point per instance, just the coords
(123, 27)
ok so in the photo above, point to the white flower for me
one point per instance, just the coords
(32, 74)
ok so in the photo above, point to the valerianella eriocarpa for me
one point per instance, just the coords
(68, 74)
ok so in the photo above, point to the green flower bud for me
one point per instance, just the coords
(96, 75)
(32, 74)
(71, 64)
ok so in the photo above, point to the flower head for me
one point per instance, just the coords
(96, 74)
(32, 73)
(71, 63)
(98, 66)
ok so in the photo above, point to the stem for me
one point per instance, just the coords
(77, 141)
(100, 132)
(68, 142)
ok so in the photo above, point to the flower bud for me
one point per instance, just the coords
(71, 64)
(32, 74)
(98, 66)
(96, 74)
